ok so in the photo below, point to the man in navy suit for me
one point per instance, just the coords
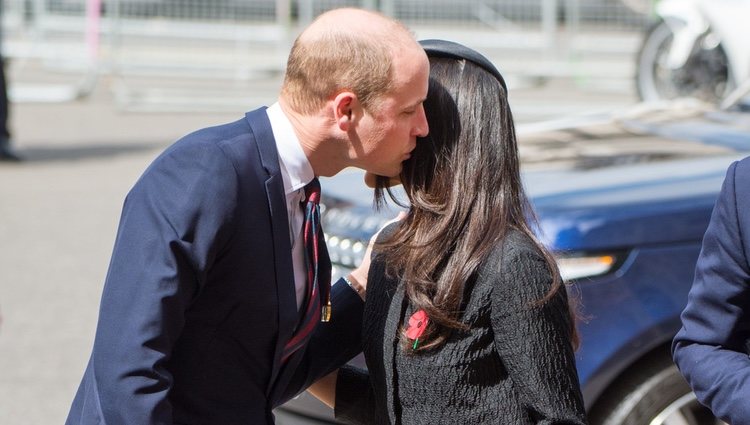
(711, 348)
(207, 275)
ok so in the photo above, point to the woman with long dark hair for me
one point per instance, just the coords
(467, 319)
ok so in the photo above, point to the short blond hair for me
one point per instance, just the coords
(334, 60)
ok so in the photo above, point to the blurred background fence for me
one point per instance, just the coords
(207, 54)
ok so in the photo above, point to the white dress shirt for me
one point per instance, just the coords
(296, 172)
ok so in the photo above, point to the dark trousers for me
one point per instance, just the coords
(4, 133)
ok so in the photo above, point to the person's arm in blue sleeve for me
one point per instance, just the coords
(333, 343)
(174, 221)
(349, 392)
(710, 349)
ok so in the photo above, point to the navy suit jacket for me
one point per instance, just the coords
(710, 349)
(199, 298)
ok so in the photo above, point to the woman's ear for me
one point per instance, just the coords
(343, 109)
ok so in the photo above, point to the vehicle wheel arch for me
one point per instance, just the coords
(650, 390)
(617, 385)
(654, 341)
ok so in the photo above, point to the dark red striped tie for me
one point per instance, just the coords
(317, 304)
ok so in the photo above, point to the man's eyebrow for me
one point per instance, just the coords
(415, 104)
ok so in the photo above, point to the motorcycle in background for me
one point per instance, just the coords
(696, 48)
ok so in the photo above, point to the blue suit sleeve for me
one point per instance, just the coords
(355, 398)
(174, 222)
(710, 348)
(333, 343)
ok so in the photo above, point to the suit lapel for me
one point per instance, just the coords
(294, 360)
(287, 311)
(286, 374)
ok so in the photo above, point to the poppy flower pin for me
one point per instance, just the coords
(417, 325)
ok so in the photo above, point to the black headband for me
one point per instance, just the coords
(449, 49)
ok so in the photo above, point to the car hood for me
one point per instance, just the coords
(647, 176)
(626, 206)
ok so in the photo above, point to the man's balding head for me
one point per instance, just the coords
(345, 49)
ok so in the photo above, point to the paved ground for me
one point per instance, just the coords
(59, 212)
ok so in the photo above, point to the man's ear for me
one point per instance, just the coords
(344, 105)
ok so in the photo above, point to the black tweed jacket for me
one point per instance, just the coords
(515, 365)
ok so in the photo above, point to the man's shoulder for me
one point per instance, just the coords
(226, 131)
(742, 170)
(231, 138)
(228, 145)
(216, 133)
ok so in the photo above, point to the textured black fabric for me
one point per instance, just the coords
(515, 364)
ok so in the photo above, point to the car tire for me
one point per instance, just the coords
(651, 393)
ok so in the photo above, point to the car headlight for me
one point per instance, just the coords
(574, 267)
(344, 251)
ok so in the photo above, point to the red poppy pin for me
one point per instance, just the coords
(417, 324)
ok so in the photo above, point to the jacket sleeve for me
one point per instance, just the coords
(173, 224)
(710, 348)
(534, 341)
(332, 344)
(355, 397)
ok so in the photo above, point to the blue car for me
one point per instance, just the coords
(623, 202)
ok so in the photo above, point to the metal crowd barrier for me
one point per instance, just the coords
(157, 50)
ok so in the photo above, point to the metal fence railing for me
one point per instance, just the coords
(235, 41)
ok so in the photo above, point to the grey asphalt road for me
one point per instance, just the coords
(59, 211)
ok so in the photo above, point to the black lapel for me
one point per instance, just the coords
(287, 311)
(294, 360)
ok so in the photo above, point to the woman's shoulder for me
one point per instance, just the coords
(515, 245)
(515, 259)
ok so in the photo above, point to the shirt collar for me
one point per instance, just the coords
(296, 168)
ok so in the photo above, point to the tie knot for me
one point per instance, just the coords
(312, 191)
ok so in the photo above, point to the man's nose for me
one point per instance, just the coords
(421, 129)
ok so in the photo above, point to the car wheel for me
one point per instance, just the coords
(652, 394)
(705, 75)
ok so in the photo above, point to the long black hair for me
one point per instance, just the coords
(464, 186)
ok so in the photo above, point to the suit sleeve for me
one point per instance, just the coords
(174, 221)
(534, 341)
(710, 348)
(355, 397)
(332, 344)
